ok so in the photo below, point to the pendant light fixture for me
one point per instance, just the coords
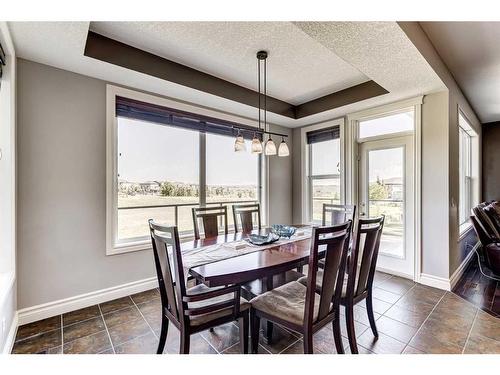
(268, 147)
(239, 144)
(283, 148)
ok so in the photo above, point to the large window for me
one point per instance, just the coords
(167, 164)
(324, 170)
(466, 160)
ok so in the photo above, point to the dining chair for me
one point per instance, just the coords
(209, 217)
(358, 282)
(298, 307)
(361, 271)
(246, 212)
(195, 309)
(337, 213)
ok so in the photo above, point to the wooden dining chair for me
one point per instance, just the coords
(298, 307)
(195, 309)
(361, 271)
(358, 283)
(337, 213)
(209, 217)
(246, 213)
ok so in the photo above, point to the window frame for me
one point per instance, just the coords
(306, 214)
(465, 128)
(113, 245)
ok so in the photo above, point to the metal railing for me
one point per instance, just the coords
(177, 205)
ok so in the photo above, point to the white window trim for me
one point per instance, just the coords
(305, 163)
(475, 170)
(352, 161)
(112, 91)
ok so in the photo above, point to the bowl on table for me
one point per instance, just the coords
(286, 231)
(257, 239)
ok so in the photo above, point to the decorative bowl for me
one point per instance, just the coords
(286, 231)
(260, 240)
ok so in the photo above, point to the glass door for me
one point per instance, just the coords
(386, 187)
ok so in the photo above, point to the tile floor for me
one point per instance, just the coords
(411, 318)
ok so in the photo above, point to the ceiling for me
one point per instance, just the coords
(306, 59)
(470, 51)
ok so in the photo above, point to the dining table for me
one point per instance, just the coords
(256, 268)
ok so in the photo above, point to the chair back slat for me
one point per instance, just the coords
(364, 255)
(169, 268)
(246, 213)
(336, 240)
(209, 217)
(337, 213)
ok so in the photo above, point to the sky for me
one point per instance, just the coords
(153, 152)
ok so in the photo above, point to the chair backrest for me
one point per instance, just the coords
(210, 219)
(169, 270)
(364, 254)
(246, 213)
(337, 213)
(336, 240)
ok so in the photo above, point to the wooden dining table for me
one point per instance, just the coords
(257, 271)
(245, 268)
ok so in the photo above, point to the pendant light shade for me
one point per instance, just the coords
(239, 144)
(283, 148)
(270, 147)
(256, 145)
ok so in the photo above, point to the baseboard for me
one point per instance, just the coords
(47, 310)
(461, 269)
(434, 281)
(11, 337)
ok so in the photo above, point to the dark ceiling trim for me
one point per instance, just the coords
(114, 52)
(340, 98)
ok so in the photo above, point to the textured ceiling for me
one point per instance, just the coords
(299, 68)
(305, 51)
(470, 51)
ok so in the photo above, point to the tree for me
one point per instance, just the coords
(378, 191)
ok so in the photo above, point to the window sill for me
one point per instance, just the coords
(464, 230)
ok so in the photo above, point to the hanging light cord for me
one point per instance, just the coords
(258, 66)
(265, 94)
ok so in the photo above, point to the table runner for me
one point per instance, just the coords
(214, 253)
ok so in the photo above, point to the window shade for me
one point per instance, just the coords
(137, 110)
(323, 135)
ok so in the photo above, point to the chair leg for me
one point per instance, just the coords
(371, 318)
(300, 269)
(269, 332)
(308, 343)
(255, 329)
(243, 323)
(351, 333)
(337, 336)
(163, 335)
(185, 341)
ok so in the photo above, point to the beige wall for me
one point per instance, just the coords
(456, 99)
(62, 189)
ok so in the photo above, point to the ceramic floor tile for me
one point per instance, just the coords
(116, 304)
(396, 285)
(91, 344)
(222, 336)
(127, 331)
(146, 344)
(36, 328)
(395, 329)
(427, 342)
(146, 296)
(479, 344)
(410, 350)
(85, 328)
(121, 316)
(38, 343)
(411, 318)
(81, 315)
(382, 345)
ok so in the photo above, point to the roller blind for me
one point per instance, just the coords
(137, 110)
(323, 135)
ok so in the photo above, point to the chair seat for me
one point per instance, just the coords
(286, 303)
(197, 320)
(319, 281)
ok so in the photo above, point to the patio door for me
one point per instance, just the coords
(386, 187)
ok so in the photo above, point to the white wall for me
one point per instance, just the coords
(62, 189)
(7, 188)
